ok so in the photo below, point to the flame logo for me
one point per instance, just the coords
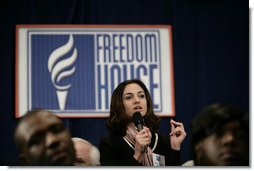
(59, 71)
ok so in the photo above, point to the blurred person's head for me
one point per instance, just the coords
(42, 140)
(220, 136)
(86, 153)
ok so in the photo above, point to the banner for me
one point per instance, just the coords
(72, 70)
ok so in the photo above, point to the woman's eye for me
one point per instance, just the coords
(128, 97)
(142, 96)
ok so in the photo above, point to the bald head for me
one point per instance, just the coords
(42, 140)
(29, 123)
(86, 153)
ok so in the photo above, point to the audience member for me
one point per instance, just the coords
(86, 153)
(42, 140)
(220, 136)
(126, 145)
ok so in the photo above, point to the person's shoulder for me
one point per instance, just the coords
(111, 138)
(112, 142)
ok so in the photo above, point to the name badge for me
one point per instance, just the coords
(158, 160)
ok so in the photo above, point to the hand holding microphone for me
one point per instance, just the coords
(138, 121)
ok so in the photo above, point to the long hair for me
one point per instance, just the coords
(118, 119)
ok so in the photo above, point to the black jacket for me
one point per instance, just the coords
(115, 151)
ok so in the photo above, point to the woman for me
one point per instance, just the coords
(126, 146)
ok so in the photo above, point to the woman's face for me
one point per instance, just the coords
(134, 99)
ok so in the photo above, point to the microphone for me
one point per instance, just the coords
(138, 120)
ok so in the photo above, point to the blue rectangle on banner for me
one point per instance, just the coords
(81, 90)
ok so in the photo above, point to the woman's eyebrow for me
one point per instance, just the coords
(127, 94)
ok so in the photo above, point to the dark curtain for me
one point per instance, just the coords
(210, 52)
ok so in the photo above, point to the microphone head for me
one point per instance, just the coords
(137, 118)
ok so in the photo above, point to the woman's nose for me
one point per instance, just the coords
(136, 99)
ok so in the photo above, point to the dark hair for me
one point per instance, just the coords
(212, 118)
(118, 119)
